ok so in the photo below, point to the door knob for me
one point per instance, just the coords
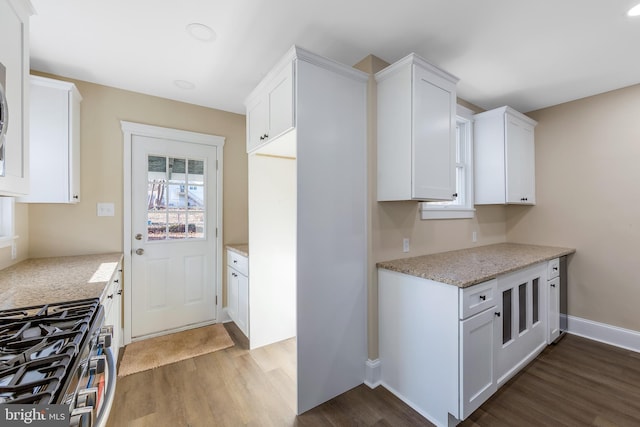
(138, 236)
(139, 251)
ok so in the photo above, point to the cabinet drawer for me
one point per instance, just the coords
(553, 268)
(477, 298)
(239, 262)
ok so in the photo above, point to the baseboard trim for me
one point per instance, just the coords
(373, 374)
(602, 332)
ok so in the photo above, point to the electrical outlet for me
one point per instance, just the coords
(405, 244)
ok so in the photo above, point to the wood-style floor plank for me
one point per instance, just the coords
(577, 382)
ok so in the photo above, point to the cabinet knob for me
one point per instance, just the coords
(483, 297)
(119, 292)
(75, 196)
(497, 313)
(555, 268)
(455, 195)
(553, 285)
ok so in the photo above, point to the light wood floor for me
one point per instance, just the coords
(575, 383)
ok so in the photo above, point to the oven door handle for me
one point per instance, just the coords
(110, 390)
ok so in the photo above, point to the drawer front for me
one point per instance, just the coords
(239, 262)
(553, 268)
(477, 298)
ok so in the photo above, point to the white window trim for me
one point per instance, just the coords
(466, 211)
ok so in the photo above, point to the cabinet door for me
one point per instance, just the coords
(521, 332)
(553, 309)
(243, 304)
(14, 76)
(281, 103)
(433, 126)
(520, 161)
(477, 379)
(257, 124)
(233, 278)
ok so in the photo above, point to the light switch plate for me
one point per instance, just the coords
(106, 209)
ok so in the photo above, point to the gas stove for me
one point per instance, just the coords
(58, 354)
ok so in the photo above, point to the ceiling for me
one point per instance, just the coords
(527, 55)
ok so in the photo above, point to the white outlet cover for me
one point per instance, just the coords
(106, 209)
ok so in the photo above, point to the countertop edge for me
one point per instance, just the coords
(239, 248)
(479, 278)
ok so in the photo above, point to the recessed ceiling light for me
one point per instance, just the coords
(183, 84)
(634, 11)
(201, 32)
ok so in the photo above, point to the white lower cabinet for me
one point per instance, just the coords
(445, 350)
(112, 302)
(553, 292)
(238, 290)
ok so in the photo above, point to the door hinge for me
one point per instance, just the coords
(216, 299)
(216, 231)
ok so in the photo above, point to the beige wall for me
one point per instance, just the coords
(588, 197)
(390, 222)
(56, 229)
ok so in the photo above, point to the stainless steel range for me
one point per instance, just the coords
(59, 354)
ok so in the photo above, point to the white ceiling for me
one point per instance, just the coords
(527, 55)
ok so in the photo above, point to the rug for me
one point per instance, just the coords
(153, 352)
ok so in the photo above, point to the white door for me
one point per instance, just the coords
(173, 235)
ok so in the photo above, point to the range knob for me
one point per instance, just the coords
(97, 364)
(82, 417)
(87, 397)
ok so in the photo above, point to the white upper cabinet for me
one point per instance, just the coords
(416, 131)
(504, 157)
(14, 78)
(270, 108)
(55, 142)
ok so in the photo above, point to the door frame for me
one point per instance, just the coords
(129, 130)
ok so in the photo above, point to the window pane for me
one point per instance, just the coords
(156, 195)
(177, 224)
(522, 307)
(156, 225)
(506, 316)
(196, 224)
(536, 296)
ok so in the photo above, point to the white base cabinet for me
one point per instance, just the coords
(445, 350)
(112, 302)
(504, 155)
(55, 142)
(238, 290)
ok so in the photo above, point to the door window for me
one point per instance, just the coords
(176, 206)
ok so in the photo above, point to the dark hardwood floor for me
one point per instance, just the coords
(577, 382)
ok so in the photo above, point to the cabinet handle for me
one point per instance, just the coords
(553, 285)
(483, 297)
(497, 313)
(110, 296)
(235, 261)
(119, 292)
(455, 195)
(116, 281)
(555, 268)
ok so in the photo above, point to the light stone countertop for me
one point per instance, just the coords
(48, 280)
(239, 248)
(467, 267)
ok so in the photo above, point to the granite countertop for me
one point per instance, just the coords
(239, 248)
(468, 267)
(48, 280)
